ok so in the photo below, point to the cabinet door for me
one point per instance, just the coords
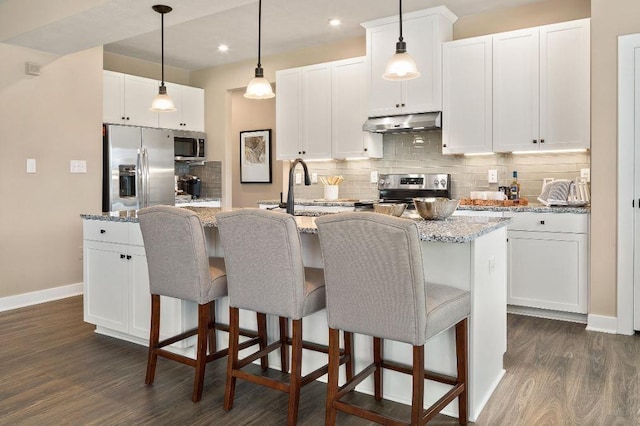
(515, 91)
(113, 97)
(548, 270)
(288, 114)
(316, 111)
(385, 96)
(424, 93)
(349, 107)
(172, 119)
(564, 85)
(106, 285)
(467, 96)
(192, 108)
(138, 95)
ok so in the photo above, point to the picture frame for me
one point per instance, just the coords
(255, 156)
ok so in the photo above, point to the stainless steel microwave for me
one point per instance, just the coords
(189, 146)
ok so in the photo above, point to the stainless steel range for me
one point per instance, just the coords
(403, 188)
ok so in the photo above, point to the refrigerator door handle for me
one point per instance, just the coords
(140, 178)
(147, 193)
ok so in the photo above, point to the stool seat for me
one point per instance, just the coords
(446, 306)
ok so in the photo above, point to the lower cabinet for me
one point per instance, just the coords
(116, 285)
(547, 261)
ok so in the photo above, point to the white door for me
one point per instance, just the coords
(172, 119)
(316, 111)
(192, 108)
(425, 92)
(113, 97)
(288, 114)
(349, 111)
(138, 95)
(385, 95)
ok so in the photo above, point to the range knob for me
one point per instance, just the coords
(436, 182)
(383, 182)
(443, 182)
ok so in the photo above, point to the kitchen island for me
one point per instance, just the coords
(465, 252)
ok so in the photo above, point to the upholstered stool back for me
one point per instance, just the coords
(270, 241)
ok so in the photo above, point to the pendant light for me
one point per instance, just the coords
(162, 102)
(401, 66)
(259, 87)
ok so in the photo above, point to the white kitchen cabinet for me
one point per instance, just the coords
(127, 98)
(116, 285)
(424, 32)
(303, 113)
(320, 110)
(349, 101)
(189, 113)
(467, 101)
(547, 262)
(541, 88)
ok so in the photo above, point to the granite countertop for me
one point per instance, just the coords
(532, 207)
(182, 200)
(456, 229)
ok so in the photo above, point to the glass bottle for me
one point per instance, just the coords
(514, 187)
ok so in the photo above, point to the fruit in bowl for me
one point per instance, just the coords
(435, 208)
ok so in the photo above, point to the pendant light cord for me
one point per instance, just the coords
(259, 30)
(162, 44)
(401, 39)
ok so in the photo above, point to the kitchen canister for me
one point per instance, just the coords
(331, 192)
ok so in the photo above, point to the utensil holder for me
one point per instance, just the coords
(331, 192)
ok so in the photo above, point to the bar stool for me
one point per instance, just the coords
(375, 286)
(265, 274)
(179, 267)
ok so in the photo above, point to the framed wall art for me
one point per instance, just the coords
(255, 156)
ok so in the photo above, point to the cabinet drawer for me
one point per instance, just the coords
(549, 222)
(109, 232)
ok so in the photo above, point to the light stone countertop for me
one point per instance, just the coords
(455, 229)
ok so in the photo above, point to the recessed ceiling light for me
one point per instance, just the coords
(334, 22)
(223, 48)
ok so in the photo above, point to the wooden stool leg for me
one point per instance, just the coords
(284, 348)
(154, 338)
(232, 361)
(378, 348)
(461, 355)
(296, 373)
(417, 400)
(332, 380)
(213, 345)
(348, 349)
(204, 317)
(262, 334)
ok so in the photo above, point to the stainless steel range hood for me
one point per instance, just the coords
(404, 123)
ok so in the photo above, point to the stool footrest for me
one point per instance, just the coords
(429, 375)
(176, 357)
(349, 386)
(446, 399)
(259, 354)
(368, 415)
(262, 380)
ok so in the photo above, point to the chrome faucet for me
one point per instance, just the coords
(307, 181)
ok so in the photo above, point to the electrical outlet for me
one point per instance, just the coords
(31, 165)
(78, 166)
(298, 178)
(493, 176)
(374, 176)
(585, 174)
(314, 177)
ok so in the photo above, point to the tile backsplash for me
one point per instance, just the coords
(210, 175)
(468, 173)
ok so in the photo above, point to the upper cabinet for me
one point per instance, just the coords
(189, 113)
(424, 32)
(320, 110)
(538, 87)
(127, 98)
(466, 95)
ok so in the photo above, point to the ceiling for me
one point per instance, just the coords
(195, 28)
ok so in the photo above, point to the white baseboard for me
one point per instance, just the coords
(602, 324)
(547, 313)
(27, 299)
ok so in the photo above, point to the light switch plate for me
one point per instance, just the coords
(314, 177)
(78, 166)
(31, 165)
(374, 176)
(585, 174)
(298, 178)
(493, 176)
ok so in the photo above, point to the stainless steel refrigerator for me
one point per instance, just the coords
(138, 167)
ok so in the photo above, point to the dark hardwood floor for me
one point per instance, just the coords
(55, 370)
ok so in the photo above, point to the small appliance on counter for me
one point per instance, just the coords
(403, 188)
(190, 184)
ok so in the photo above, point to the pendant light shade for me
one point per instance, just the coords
(162, 102)
(259, 87)
(401, 66)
